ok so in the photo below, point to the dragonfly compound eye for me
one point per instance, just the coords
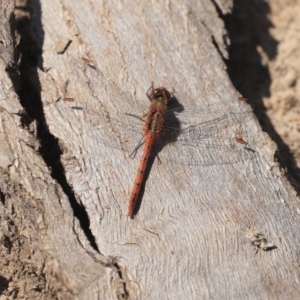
(166, 94)
(156, 93)
(160, 93)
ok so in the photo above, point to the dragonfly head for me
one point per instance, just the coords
(161, 94)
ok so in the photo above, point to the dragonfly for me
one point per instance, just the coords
(170, 132)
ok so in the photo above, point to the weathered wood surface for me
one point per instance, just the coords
(191, 238)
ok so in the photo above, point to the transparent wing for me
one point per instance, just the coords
(200, 135)
(183, 142)
(208, 143)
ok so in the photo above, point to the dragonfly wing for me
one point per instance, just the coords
(120, 131)
(206, 152)
(208, 143)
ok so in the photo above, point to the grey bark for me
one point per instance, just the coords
(202, 230)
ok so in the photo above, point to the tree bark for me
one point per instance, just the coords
(217, 219)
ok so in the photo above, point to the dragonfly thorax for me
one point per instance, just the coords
(155, 117)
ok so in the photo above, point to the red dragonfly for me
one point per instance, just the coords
(183, 136)
(153, 128)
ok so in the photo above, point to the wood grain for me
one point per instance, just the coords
(190, 238)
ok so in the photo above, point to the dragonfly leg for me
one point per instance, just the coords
(150, 90)
(135, 150)
(172, 92)
(158, 158)
(135, 116)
